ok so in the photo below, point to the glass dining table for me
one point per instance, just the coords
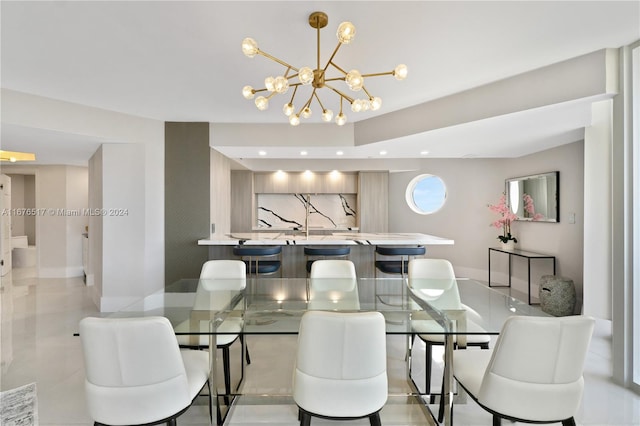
(274, 307)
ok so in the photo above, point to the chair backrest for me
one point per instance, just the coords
(223, 269)
(535, 372)
(333, 268)
(430, 268)
(435, 280)
(341, 365)
(132, 364)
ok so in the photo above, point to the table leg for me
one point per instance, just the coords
(213, 360)
(529, 279)
(448, 379)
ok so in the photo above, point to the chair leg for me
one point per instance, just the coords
(305, 419)
(246, 348)
(497, 421)
(427, 368)
(374, 419)
(569, 422)
(227, 373)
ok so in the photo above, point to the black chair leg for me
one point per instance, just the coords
(374, 419)
(227, 373)
(247, 349)
(569, 422)
(305, 419)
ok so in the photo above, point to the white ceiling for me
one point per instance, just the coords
(181, 61)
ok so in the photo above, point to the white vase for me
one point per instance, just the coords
(509, 245)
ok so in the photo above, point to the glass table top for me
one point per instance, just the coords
(275, 305)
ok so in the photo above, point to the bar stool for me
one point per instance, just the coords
(316, 253)
(402, 254)
(260, 259)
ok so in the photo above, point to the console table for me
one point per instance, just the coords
(527, 255)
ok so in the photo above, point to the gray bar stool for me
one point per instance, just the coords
(325, 252)
(260, 259)
(401, 254)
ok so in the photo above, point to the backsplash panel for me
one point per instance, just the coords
(288, 211)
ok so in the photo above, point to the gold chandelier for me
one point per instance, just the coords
(317, 78)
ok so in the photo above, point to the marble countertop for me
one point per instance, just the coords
(342, 238)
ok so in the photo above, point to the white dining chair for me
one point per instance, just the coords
(227, 275)
(445, 298)
(333, 268)
(534, 372)
(135, 372)
(341, 366)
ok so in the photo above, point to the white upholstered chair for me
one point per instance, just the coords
(333, 268)
(447, 298)
(341, 366)
(333, 285)
(232, 276)
(534, 372)
(135, 372)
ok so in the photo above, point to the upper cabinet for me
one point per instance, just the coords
(305, 183)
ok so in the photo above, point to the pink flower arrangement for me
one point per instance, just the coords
(529, 208)
(505, 219)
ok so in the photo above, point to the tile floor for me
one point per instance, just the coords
(39, 317)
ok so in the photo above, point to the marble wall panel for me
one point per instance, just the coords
(288, 211)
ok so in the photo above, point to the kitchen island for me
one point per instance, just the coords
(293, 259)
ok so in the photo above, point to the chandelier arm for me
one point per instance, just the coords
(294, 92)
(338, 68)
(367, 92)
(280, 61)
(331, 58)
(342, 95)
(334, 79)
(306, 104)
(318, 99)
(378, 74)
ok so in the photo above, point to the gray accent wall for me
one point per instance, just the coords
(187, 198)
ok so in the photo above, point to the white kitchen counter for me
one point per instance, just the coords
(342, 238)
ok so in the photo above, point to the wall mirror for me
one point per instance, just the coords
(535, 197)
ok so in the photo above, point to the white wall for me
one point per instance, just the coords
(474, 183)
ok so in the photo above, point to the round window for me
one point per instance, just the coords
(426, 194)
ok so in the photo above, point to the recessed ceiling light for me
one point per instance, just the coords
(303, 152)
(424, 152)
(262, 153)
(383, 152)
(339, 153)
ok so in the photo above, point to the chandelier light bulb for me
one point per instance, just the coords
(247, 92)
(400, 72)
(281, 84)
(356, 106)
(294, 120)
(327, 115)
(305, 75)
(375, 103)
(306, 112)
(249, 47)
(262, 103)
(354, 80)
(269, 83)
(346, 32)
(341, 119)
(288, 109)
